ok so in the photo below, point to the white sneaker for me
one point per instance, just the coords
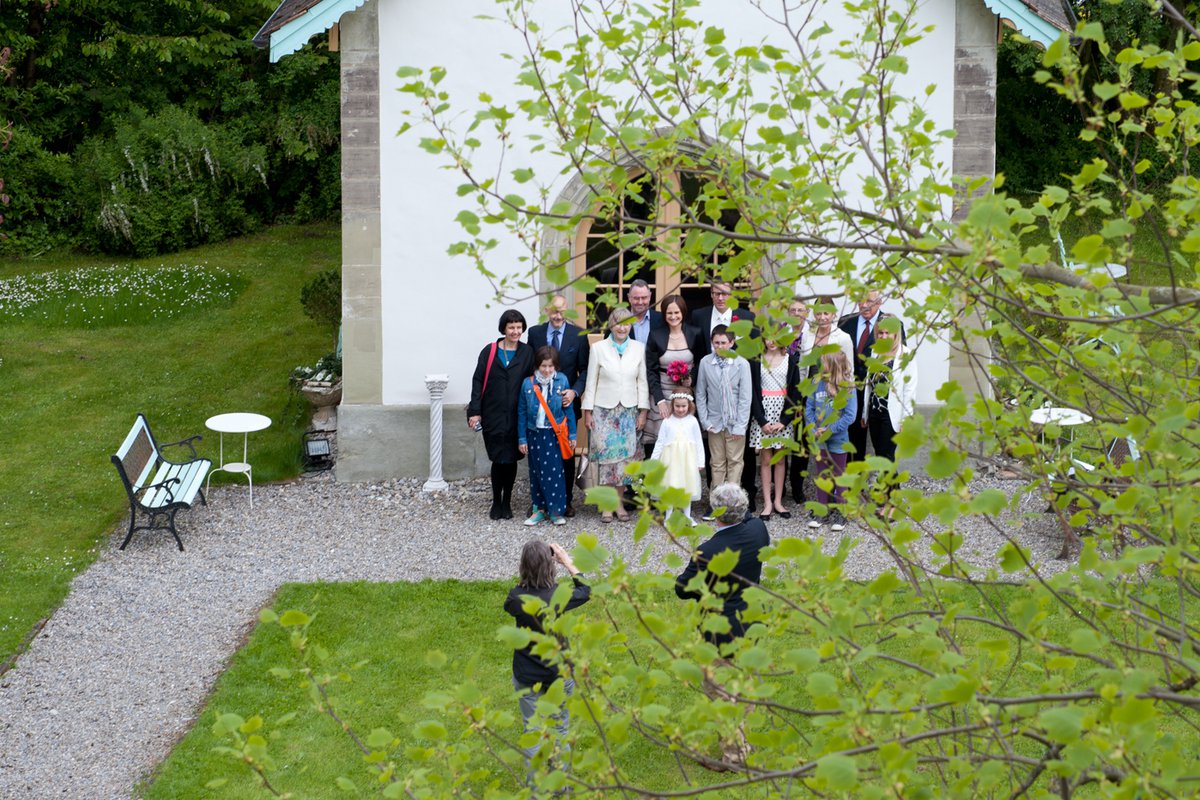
(837, 522)
(559, 520)
(535, 518)
(814, 523)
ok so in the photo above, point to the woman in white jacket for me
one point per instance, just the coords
(887, 408)
(615, 403)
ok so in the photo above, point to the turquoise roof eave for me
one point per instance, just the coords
(1026, 21)
(318, 19)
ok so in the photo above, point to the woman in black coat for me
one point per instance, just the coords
(495, 392)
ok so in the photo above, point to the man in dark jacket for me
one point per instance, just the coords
(860, 328)
(746, 537)
(571, 342)
(735, 532)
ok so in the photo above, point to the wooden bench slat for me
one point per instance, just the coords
(139, 458)
(191, 479)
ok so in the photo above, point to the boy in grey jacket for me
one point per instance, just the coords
(723, 406)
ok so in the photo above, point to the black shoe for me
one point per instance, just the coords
(495, 512)
(506, 511)
(570, 512)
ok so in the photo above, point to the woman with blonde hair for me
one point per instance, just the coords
(616, 401)
(829, 412)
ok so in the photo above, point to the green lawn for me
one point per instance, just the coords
(379, 635)
(72, 391)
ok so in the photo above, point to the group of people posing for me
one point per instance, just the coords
(668, 385)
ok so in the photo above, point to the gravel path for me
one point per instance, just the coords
(122, 669)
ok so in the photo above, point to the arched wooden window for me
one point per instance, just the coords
(614, 252)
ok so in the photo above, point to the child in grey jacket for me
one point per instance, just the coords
(723, 396)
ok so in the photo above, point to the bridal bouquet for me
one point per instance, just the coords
(678, 371)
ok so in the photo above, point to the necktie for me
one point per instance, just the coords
(554, 340)
(862, 337)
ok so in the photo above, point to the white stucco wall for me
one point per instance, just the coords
(430, 297)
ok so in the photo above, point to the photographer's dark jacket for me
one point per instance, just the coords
(527, 668)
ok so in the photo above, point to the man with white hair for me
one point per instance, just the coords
(746, 536)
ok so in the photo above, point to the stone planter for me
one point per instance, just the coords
(322, 393)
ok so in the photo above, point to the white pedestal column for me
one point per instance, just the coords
(436, 384)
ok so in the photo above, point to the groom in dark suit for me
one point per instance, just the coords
(572, 345)
(719, 313)
(706, 318)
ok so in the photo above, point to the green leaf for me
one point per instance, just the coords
(713, 36)
(1132, 100)
(1013, 557)
(840, 773)
(1064, 724)
(522, 175)
(294, 618)
(1106, 91)
(267, 616)
(802, 659)
(895, 63)
(1085, 640)
(345, 784)
(755, 658)
(408, 72)
(885, 583)
(1134, 711)
(687, 671)
(821, 684)
(989, 501)
(227, 723)
(602, 497)
(514, 637)
(431, 729)
(380, 738)
(722, 563)
(943, 463)
(1117, 228)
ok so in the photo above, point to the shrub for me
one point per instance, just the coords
(168, 181)
(322, 298)
(44, 210)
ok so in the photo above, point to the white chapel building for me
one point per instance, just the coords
(411, 310)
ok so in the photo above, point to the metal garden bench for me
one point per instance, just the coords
(158, 488)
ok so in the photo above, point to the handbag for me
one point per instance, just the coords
(560, 428)
(486, 374)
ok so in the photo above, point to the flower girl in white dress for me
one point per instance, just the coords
(680, 447)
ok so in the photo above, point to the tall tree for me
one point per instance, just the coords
(894, 690)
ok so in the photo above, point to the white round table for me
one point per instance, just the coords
(241, 422)
(1065, 417)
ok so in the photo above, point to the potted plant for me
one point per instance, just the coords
(321, 384)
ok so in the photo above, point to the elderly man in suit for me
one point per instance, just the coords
(861, 328)
(572, 345)
(645, 318)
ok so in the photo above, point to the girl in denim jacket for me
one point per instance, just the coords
(536, 437)
(829, 412)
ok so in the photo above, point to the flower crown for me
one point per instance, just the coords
(680, 396)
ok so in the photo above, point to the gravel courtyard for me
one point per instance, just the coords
(120, 672)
